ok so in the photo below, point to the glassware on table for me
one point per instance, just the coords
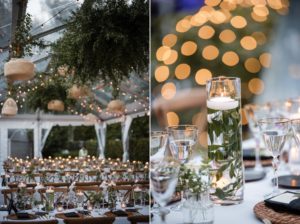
(254, 112)
(159, 140)
(225, 140)
(294, 157)
(274, 132)
(182, 139)
(163, 181)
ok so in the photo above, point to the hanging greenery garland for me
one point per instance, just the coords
(105, 40)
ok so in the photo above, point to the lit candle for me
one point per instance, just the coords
(90, 207)
(60, 208)
(222, 103)
(123, 205)
(21, 185)
(50, 190)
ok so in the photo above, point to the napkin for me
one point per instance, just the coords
(23, 215)
(287, 201)
(71, 214)
(120, 213)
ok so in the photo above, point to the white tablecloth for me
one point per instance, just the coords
(233, 214)
(119, 220)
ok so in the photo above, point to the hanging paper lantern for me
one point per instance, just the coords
(116, 106)
(75, 92)
(9, 108)
(56, 105)
(19, 69)
(90, 119)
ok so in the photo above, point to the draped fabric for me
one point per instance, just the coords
(125, 137)
(101, 138)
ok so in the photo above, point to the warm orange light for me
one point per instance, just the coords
(183, 26)
(227, 36)
(206, 32)
(261, 10)
(188, 48)
(169, 40)
(163, 53)
(230, 58)
(258, 2)
(238, 22)
(252, 65)
(182, 71)
(162, 73)
(172, 118)
(258, 18)
(199, 19)
(256, 86)
(265, 59)
(210, 52)
(260, 37)
(212, 2)
(275, 4)
(168, 90)
(248, 43)
(217, 17)
(172, 58)
(202, 76)
(227, 5)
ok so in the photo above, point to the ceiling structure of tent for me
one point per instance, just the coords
(48, 23)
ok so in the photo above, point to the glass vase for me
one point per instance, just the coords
(49, 206)
(224, 140)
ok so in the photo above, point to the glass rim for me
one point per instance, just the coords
(222, 78)
(277, 120)
(172, 127)
(158, 132)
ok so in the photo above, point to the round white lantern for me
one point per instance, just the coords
(116, 106)
(56, 105)
(9, 108)
(75, 92)
(19, 69)
(90, 119)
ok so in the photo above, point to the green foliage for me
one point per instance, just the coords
(105, 40)
(23, 41)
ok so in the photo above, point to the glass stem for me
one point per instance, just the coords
(258, 165)
(275, 168)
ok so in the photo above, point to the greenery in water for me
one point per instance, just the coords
(224, 149)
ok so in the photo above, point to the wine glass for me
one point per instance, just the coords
(294, 159)
(163, 181)
(254, 112)
(159, 141)
(275, 132)
(182, 138)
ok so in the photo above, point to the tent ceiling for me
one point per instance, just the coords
(48, 23)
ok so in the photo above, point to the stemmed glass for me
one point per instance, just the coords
(158, 144)
(163, 181)
(254, 112)
(275, 132)
(295, 156)
(182, 138)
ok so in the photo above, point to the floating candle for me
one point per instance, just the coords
(222, 103)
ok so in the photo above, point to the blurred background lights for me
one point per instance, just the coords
(169, 40)
(172, 58)
(168, 90)
(202, 76)
(172, 118)
(265, 59)
(227, 36)
(248, 43)
(182, 71)
(210, 52)
(206, 32)
(183, 26)
(238, 22)
(230, 58)
(162, 73)
(163, 53)
(256, 86)
(252, 65)
(188, 48)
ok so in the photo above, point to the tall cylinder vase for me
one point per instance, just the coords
(225, 140)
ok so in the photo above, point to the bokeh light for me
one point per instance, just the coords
(202, 76)
(238, 22)
(172, 58)
(248, 43)
(169, 40)
(163, 53)
(168, 90)
(172, 118)
(265, 59)
(188, 48)
(260, 37)
(230, 58)
(183, 26)
(227, 36)
(256, 86)
(210, 52)
(161, 73)
(182, 71)
(252, 65)
(206, 32)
